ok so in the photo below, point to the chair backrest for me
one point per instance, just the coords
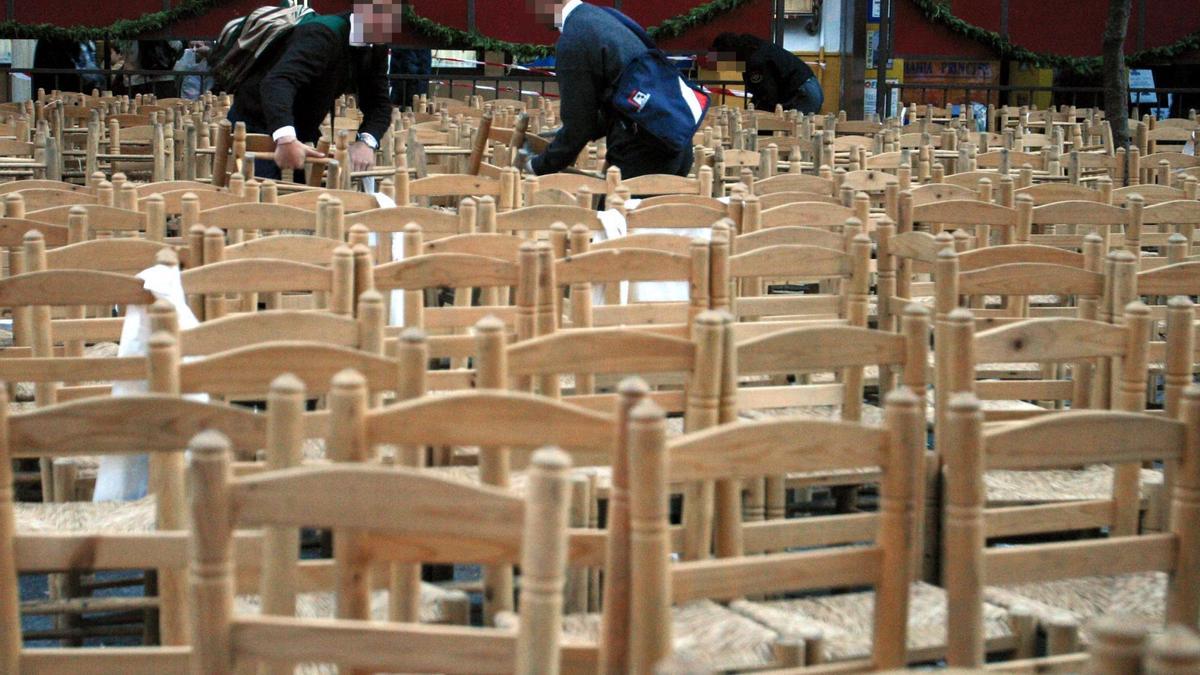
(44, 198)
(539, 363)
(1065, 440)
(774, 199)
(301, 248)
(123, 256)
(214, 280)
(845, 349)
(420, 270)
(808, 214)
(541, 217)
(613, 265)
(101, 218)
(1047, 193)
(1080, 215)
(663, 184)
(729, 453)
(673, 216)
(389, 514)
(40, 184)
(695, 200)
(252, 216)
(1084, 343)
(161, 187)
(364, 332)
(190, 202)
(489, 245)
(794, 182)
(1018, 272)
(940, 192)
(1014, 224)
(848, 264)
(457, 185)
(871, 181)
(352, 202)
(1151, 194)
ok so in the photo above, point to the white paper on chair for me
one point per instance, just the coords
(396, 300)
(615, 227)
(124, 477)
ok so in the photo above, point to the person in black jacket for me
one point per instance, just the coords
(295, 83)
(589, 57)
(773, 75)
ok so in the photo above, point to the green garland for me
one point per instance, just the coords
(939, 13)
(118, 30)
(453, 37)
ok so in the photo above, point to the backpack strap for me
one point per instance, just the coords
(631, 25)
(338, 23)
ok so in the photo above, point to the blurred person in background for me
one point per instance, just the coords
(410, 62)
(151, 55)
(194, 60)
(772, 75)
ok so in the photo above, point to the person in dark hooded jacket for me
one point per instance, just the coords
(773, 75)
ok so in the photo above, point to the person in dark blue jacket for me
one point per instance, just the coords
(590, 54)
(773, 75)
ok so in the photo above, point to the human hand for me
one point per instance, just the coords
(525, 159)
(362, 157)
(291, 153)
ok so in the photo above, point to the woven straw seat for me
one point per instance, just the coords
(1030, 487)
(844, 620)
(931, 410)
(1140, 597)
(321, 605)
(136, 516)
(704, 633)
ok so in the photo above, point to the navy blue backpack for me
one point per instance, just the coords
(651, 94)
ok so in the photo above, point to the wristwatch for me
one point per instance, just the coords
(369, 140)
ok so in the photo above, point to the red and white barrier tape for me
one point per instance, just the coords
(484, 87)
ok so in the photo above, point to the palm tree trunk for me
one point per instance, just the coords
(1116, 77)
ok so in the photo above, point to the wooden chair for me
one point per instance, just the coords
(505, 528)
(1061, 441)
(1066, 223)
(845, 350)
(847, 267)
(727, 454)
(1014, 223)
(622, 262)
(1083, 343)
(32, 295)
(386, 224)
(97, 426)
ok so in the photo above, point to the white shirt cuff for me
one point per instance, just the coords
(282, 132)
(369, 140)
